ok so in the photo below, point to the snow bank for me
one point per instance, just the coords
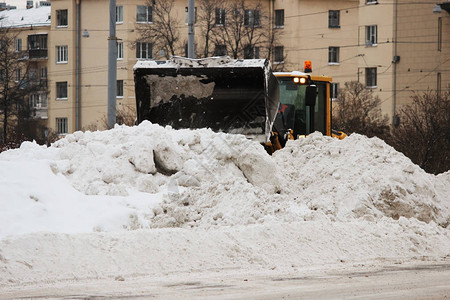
(195, 199)
(360, 177)
(316, 178)
(127, 158)
(283, 248)
(125, 172)
(148, 176)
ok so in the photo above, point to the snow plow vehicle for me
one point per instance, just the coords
(233, 96)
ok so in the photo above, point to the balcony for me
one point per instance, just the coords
(36, 84)
(37, 46)
(39, 112)
(39, 105)
(38, 54)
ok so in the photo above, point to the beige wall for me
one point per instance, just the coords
(381, 55)
(306, 36)
(60, 72)
(420, 59)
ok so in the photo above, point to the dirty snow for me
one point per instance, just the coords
(209, 62)
(90, 205)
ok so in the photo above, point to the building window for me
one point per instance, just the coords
(119, 88)
(334, 91)
(252, 17)
(32, 74)
(333, 19)
(220, 50)
(144, 14)
(18, 45)
(18, 75)
(251, 52)
(371, 77)
(333, 55)
(61, 54)
(220, 16)
(119, 14)
(44, 3)
(38, 100)
(61, 18)
(29, 4)
(371, 1)
(279, 18)
(119, 50)
(61, 90)
(144, 50)
(61, 125)
(279, 54)
(371, 35)
(44, 72)
(187, 15)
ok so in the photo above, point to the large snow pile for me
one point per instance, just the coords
(361, 177)
(149, 176)
(217, 189)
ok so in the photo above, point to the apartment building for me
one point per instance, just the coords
(392, 47)
(30, 29)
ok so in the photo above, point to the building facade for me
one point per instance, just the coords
(24, 37)
(392, 47)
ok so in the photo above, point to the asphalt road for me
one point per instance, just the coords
(427, 280)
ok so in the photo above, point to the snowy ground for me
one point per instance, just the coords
(152, 202)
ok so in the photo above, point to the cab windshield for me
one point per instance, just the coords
(295, 114)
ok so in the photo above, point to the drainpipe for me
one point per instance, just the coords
(77, 67)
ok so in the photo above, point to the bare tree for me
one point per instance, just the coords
(125, 115)
(274, 37)
(357, 110)
(241, 27)
(15, 87)
(244, 28)
(207, 21)
(424, 131)
(160, 26)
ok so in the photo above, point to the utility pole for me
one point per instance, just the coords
(112, 65)
(77, 65)
(191, 24)
(395, 119)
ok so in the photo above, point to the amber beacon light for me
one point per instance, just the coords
(308, 66)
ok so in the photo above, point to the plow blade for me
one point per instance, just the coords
(234, 96)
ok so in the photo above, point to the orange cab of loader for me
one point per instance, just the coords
(304, 108)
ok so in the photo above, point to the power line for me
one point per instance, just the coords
(362, 6)
(419, 79)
